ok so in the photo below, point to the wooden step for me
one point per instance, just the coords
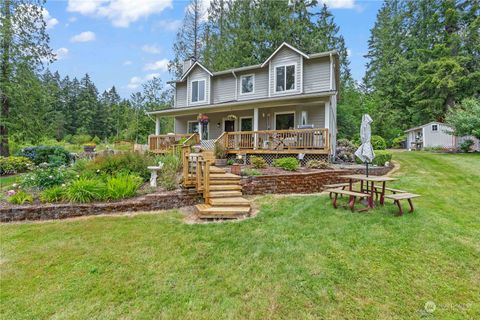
(225, 187)
(208, 211)
(224, 194)
(224, 183)
(214, 169)
(224, 176)
(226, 202)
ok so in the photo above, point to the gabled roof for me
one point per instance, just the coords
(193, 66)
(279, 48)
(426, 125)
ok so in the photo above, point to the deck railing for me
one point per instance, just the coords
(167, 142)
(276, 140)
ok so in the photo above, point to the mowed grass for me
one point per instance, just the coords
(298, 259)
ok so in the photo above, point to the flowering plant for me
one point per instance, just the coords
(232, 117)
(202, 118)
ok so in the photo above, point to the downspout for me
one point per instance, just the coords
(236, 85)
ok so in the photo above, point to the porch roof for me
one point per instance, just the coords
(247, 104)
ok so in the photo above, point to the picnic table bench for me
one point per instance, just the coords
(352, 198)
(336, 186)
(402, 196)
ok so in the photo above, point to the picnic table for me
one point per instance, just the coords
(370, 185)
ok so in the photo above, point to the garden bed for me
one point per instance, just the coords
(153, 201)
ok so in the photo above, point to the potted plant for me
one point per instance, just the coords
(220, 155)
(89, 147)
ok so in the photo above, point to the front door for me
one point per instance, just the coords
(229, 126)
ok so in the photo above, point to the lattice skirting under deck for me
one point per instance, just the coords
(269, 157)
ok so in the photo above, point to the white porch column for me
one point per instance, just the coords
(255, 128)
(157, 126)
(327, 120)
(200, 130)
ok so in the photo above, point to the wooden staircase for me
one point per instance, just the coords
(221, 191)
(224, 197)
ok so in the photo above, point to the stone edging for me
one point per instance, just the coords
(149, 202)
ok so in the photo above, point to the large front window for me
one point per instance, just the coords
(198, 90)
(192, 127)
(285, 78)
(284, 121)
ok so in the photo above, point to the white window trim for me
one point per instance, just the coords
(241, 85)
(240, 122)
(235, 124)
(191, 88)
(285, 77)
(188, 125)
(284, 112)
(304, 112)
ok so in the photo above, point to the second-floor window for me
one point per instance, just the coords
(285, 78)
(247, 82)
(198, 90)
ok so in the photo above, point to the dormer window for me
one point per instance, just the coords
(198, 90)
(247, 83)
(285, 78)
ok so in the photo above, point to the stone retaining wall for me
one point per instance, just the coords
(301, 182)
(150, 202)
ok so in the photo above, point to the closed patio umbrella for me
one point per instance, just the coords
(365, 151)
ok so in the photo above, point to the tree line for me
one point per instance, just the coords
(423, 60)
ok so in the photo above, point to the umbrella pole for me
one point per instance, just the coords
(367, 167)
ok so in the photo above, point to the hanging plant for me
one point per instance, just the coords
(202, 118)
(231, 117)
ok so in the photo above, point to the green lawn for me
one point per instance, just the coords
(298, 259)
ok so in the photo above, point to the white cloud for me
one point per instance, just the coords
(85, 36)
(120, 12)
(61, 53)
(49, 20)
(136, 82)
(169, 25)
(204, 5)
(72, 19)
(160, 65)
(349, 52)
(127, 63)
(151, 48)
(340, 4)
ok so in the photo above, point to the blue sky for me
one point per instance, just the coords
(126, 42)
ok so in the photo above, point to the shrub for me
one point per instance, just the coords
(122, 186)
(81, 138)
(129, 163)
(382, 157)
(230, 162)
(250, 172)
(20, 197)
(219, 151)
(466, 145)
(398, 141)
(53, 155)
(44, 178)
(80, 165)
(13, 165)
(317, 164)
(86, 190)
(345, 150)
(289, 163)
(258, 162)
(378, 143)
(53, 194)
(96, 140)
(168, 175)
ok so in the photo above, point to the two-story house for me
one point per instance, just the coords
(285, 105)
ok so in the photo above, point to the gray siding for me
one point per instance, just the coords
(198, 74)
(286, 56)
(439, 138)
(260, 85)
(315, 115)
(223, 88)
(316, 75)
(181, 95)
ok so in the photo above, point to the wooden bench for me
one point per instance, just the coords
(352, 198)
(336, 186)
(378, 191)
(402, 196)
